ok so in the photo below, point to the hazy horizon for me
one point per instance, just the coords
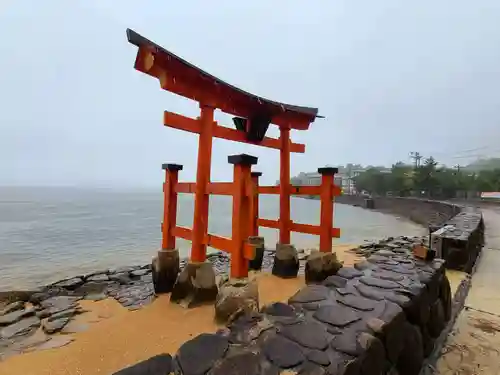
(390, 77)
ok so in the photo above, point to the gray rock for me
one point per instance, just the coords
(54, 325)
(59, 301)
(93, 287)
(15, 316)
(11, 307)
(56, 342)
(69, 284)
(198, 355)
(20, 328)
(54, 310)
(236, 297)
(122, 278)
(74, 327)
(98, 278)
(139, 273)
(96, 296)
(63, 314)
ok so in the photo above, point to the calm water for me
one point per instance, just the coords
(50, 233)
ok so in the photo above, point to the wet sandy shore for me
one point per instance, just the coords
(112, 337)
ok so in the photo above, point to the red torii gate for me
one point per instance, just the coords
(253, 114)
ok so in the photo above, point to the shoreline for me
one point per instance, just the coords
(151, 328)
(139, 273)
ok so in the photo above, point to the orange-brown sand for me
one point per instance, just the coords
(117, 338)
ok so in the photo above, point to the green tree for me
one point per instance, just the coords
(401, 179)
(374, 181)
(425, 178)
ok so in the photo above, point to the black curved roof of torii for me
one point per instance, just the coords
(271, 106)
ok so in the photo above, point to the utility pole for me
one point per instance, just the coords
(416, 158)
(457, 167)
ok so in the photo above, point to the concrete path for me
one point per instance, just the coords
(474, 344)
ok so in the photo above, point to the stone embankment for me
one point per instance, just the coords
(381, 316)
(421, 211)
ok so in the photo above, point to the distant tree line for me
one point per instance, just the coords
(428, 180)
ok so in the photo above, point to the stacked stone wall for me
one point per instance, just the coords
(381, 316)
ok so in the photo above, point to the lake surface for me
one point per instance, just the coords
(50, 233)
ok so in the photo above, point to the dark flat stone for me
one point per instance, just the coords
(98, 278)
(54, 325)
(397, 269)
(385, 253)
(363, 265)
(22, 327)
(283, 352)
(63, 314)
(338, 315)
(95, 296)
(311, 293)
(347, 343)
(319, 357)
(53, 310)
(309, 334)
(384, 284)
(123, 278)
(357, 302)
(139, 273)
(335, 281)
(198, 355)
(349, 273)
(386, 275)
(343, 291)
(61, 302)
(370, 292)
(70, 284)
(157, 365)
(311, 306)
(56, 342)
(15, 316)
(377, 259)
(399, 299)
(246, 363)
(11, 307)
(279, 309)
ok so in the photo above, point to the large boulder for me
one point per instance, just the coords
(236, 297)
(320, 265)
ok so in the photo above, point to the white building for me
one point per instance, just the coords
(344, 179)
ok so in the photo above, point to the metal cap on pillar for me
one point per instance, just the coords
(256, 174)
(328, 170)
(171, 167)
(242, 159)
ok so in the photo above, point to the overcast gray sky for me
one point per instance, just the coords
(391, 76)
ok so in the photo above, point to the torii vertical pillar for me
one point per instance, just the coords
(254, 239)
(196, 283)
(286, 261)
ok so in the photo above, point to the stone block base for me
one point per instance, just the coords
(165, 268)
(195, 285)
(256, 263)
(286, 261)
(236, 297)
(320, 265)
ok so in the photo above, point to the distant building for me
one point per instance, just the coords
(344, 179)
(313, 179)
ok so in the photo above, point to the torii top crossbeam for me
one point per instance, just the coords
(185, 79)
